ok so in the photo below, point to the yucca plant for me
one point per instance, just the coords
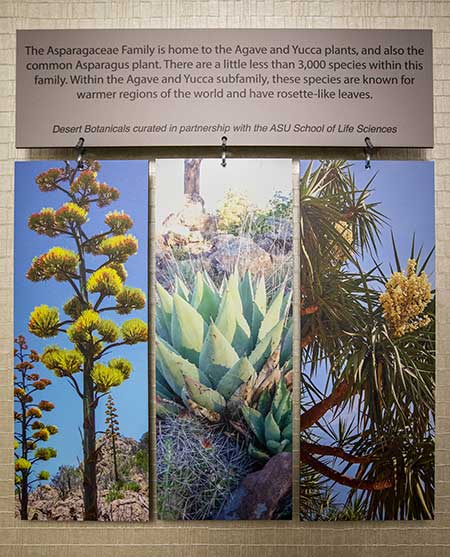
(220, 349)
(368, 356)
(271, 422)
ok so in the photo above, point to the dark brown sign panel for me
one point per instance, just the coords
(134, 87)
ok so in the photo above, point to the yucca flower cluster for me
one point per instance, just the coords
(405, 299)
(345, 230)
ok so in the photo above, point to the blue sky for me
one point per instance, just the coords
(131, 178)
(405, 190)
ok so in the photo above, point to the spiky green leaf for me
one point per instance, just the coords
(240, 373)
(187, 329)
(204, 396)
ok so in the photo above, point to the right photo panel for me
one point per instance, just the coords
(367, 424)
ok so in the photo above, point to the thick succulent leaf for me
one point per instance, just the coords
(165, 306)
(181, 289)
(163, 392)
(226, 318)
(166, 408)
(162, 387)
(287, 432)
(255, 421)
(175, 368)
(242, 337)
(258, 454)
(282, 401)
(280, 391)
(264, 403)
(160, 325)
(188, 329)
(286, 346)
(233, 288)
(204, 299)
(286, 307)
(286, 418)
(246, 292)
(271, 430)
(274, 447)
(240, 373)
(204, 396)
(210, 282)
(259, 309)
(217, 355)
(266, 347)
(273, 314)
(231, 321)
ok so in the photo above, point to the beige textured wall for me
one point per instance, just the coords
(226, 539)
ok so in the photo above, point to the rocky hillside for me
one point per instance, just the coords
(122, 501)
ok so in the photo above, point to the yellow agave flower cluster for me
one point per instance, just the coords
(86, 185)
(111, 375)
(66, 362)
(119, 222)
(59, 263)
(51, 222)
(48, 180)
(406, 297)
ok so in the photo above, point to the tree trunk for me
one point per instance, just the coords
(192, 178)
(24, 497)
(89, 449)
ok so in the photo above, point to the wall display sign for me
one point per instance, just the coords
(368, 349)
(280, 87)
(224, 361)
(80, 324)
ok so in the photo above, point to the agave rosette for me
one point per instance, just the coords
(220, 349)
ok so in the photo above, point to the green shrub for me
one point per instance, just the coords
(114, 493)
(131, 486)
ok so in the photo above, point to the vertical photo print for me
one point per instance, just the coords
(367, 340)
(223, 266)
(80, 350)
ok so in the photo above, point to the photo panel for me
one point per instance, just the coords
(367, 340)
(80, 350)
(223, 339)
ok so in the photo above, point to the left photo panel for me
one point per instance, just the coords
(81, 341)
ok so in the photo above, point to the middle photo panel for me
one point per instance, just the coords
(223, 340)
